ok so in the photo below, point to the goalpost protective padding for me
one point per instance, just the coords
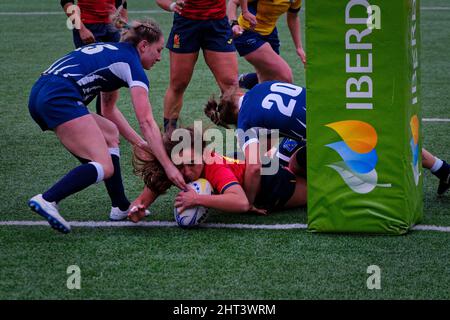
(363, 112)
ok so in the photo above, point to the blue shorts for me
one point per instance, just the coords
(249, 41)
(55, 100)
(188, 36)
(276, 189)
(103, 32)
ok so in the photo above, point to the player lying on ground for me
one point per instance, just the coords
(58, 102)
(282, 106)
(226, 176)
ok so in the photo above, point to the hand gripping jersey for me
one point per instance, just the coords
(101, 67)
(272, 105)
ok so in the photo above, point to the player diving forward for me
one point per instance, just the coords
(282, 106)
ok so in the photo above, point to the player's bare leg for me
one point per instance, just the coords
(181, 70)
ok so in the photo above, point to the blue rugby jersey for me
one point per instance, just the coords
(101, 67)
(272, 105)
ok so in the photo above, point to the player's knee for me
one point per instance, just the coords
(108, 169)
(229, 83)
(178, 86)
(286, 75)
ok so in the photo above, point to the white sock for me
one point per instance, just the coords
(437, 165)
(114, 151)
(100, 171)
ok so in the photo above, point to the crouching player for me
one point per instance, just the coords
(58, 102)
(282, 106)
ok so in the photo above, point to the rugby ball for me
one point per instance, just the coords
(192, 217)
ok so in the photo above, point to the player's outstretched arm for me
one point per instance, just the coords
(141, 203)
(152, 135)
(232, 200)
(111, 112)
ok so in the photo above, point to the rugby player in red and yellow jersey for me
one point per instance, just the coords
(197, 24)
(226, 176)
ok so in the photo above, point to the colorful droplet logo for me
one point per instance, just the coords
(414, 143)
(357, 150)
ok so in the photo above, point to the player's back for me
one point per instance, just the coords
(204, 9)
(275, 105)
(101, 67)
(96, 11)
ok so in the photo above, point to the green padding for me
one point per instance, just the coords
(364, 133)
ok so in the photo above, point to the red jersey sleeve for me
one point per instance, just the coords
(220, 176)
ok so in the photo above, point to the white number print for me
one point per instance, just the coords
(98, 48)
(287, 89)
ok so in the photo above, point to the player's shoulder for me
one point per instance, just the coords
(123, 47)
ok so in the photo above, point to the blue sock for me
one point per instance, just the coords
(443, 172)
(248, 80)
(98, 104)
(76, 180)
(114, 185)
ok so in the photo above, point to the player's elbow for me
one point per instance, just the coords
(243, 205)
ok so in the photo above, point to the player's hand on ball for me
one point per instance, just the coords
(186, 199)
(137, 213)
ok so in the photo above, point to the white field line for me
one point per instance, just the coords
(170, 224)
(435, 120)
(40, 13)
(55, 13)
(435, 8)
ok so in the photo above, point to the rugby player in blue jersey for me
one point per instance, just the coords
(282, 106)
(58, 102)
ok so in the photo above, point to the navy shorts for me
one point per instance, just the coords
(55, 100)
(103, 32)
(276, 190)
(249, 41)
(188, 36)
